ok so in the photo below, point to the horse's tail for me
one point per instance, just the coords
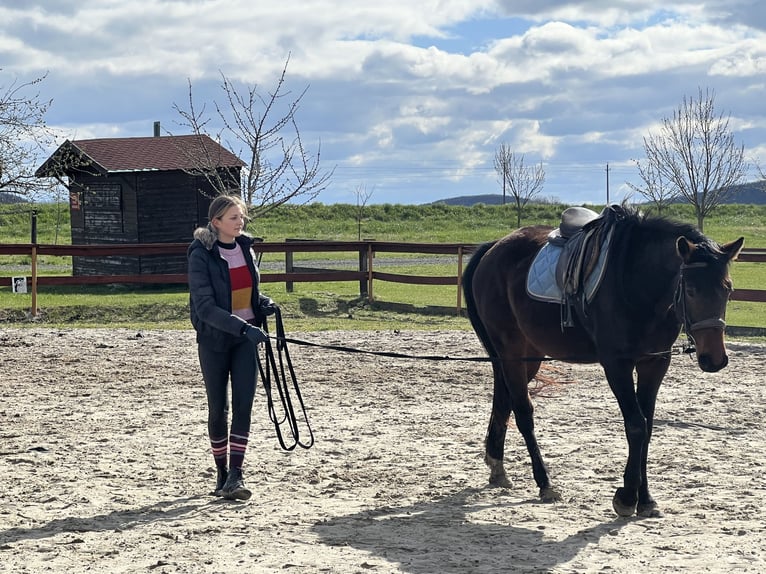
(470, 300)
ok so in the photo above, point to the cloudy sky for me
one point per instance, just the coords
(410, 100)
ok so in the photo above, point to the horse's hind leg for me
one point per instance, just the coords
(511, 394)
(523, 411)
(498, 424)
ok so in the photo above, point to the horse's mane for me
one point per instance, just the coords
(653, 238)
(659, 228)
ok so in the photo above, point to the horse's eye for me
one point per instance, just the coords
(691, 291)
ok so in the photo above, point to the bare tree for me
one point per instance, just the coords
(520, 181)
(502, 162)
(656, 188)
(24, 137)
(695, 152)
(761, 171)
(263, 132)
(363, 195)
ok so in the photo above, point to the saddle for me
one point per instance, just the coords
(569, 268)
(573, 219)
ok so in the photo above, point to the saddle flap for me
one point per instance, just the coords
(582, 263)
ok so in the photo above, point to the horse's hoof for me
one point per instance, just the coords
(500, 481)
(497, 476)
(620, 507)
(550, 494)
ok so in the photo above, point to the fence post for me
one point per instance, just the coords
(34, 263)
(369, 272)
(363, 269)
(34, 280)
(288, 268)
(459, 278)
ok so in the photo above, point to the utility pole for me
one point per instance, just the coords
(607, 185)
(505, 179)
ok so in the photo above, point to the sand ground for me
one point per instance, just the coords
(106, 465)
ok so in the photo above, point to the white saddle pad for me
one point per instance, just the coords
(541, 277)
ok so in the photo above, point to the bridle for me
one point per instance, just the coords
(680, 306)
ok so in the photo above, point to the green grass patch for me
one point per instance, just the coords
(332, 305)
(310, 307)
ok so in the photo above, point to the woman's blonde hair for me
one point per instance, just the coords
(221, 204)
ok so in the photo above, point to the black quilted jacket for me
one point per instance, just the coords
(210, 290)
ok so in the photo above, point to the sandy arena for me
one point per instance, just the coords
(106, 466)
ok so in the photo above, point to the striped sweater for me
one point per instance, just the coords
(241, 280)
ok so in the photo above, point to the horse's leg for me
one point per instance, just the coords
(650, 375)
(619, 373)
(511, 393)
(498, 424)
(524, 412)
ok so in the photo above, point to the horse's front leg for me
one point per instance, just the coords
(650, 375)
(619, 373)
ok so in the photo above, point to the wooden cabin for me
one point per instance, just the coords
(139, 190)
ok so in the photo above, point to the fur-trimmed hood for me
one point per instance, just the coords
(208, 237)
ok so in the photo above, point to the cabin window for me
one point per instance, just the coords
(102, 208)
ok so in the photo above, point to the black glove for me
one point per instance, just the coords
(268, 307)
(256, 335)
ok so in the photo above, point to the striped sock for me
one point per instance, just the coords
(220, 447)
(238, 448)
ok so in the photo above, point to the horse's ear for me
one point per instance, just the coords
(684, 248)
(732, 249)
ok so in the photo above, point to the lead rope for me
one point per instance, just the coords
(283, 387)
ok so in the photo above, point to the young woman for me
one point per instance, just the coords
(225, 305)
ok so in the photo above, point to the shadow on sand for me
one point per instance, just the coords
(118, 520)
(441, 536)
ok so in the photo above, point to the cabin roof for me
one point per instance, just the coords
(112, 155)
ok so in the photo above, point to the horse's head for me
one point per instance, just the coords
(703, 292)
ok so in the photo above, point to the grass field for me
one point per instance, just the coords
(332, 305)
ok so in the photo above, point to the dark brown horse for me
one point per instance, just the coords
(661, 276)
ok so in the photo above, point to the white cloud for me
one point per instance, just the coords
(392, 88)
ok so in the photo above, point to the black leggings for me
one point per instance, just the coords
(239, 363)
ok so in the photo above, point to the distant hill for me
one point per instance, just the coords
(469, 200)
(746, 193)
(753, 192)
(6, 197)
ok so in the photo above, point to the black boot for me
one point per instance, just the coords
(234, 488)
(220, 480)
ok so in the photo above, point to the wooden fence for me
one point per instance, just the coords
(365, 273)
